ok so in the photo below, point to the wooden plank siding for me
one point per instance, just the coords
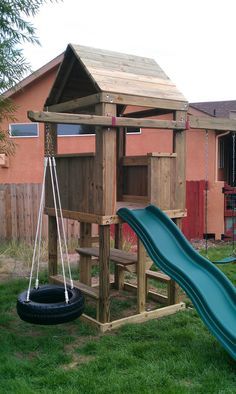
(76, 183)
(19, 205)
(151, 179)
(123, 73)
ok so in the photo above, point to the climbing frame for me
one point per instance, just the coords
(94, 185)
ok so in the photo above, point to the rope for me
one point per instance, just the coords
(62, 221)
(40, 214)
(58, 231)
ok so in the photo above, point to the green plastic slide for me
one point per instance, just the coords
(211, 292)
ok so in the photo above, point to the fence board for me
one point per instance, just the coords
(193, 224)
(19, 205)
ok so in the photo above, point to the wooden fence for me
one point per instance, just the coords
(19, 205)
(193, 224)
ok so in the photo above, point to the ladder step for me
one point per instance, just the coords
(88, 290)
(158, 275)
(116, 255)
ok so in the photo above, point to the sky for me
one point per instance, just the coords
(194, 41)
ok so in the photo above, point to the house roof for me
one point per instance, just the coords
(86, 70)
(35, 75)
(216, 108)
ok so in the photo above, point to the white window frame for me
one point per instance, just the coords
(93, 134)
(24, 136)
(75, 135)
(134, 132)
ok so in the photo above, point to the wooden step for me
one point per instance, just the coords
(158, 275)
(116, 255)
(88, 290)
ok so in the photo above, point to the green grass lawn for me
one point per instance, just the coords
(175, 354)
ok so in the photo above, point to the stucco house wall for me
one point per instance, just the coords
(27, 164)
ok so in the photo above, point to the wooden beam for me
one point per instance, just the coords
(127, 99)
(106, 121)
(221, 124)
(52, 246)
(120, 153)
(78, 103)
(104, 274)
(144, 316)
(108, 219)
(85, 217)
(87, 290)
(119, 276)
(147, 113)
(67, 71)
(141, 278)
(105, 183)
(179, 147)
(85, 262)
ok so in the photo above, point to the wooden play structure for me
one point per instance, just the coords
(94, 87)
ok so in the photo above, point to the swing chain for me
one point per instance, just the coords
(233, 182)
(49, 146)
(206, 188)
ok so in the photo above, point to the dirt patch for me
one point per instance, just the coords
(11, 268)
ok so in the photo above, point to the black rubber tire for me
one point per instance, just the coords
(47, 305)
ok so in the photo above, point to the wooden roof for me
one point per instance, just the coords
(86, 71)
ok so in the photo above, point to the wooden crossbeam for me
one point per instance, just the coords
(105, 220)
(151, 102)
(85, 217)
(78, 103)
(106, 121)
(221, 124)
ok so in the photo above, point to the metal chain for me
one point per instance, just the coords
(49, 150)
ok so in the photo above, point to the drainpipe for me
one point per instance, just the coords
(216, 163)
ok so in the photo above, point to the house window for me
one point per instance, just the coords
(24, 129)
(133, 130)
(75, 129)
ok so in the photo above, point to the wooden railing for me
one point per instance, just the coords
(150, 179)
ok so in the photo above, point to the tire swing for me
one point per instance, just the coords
(50, 304)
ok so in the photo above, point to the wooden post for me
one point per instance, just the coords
(119, 275)
(141, 280)
(85, 262)
(104, 274)
(179, 147)
(105, 201)
(105, 164)
(121, 151)
(52, 246)
(50, 148)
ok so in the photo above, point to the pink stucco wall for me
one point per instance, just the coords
(27, 165)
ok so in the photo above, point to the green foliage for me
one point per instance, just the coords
(175, 354)
(15, 29)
